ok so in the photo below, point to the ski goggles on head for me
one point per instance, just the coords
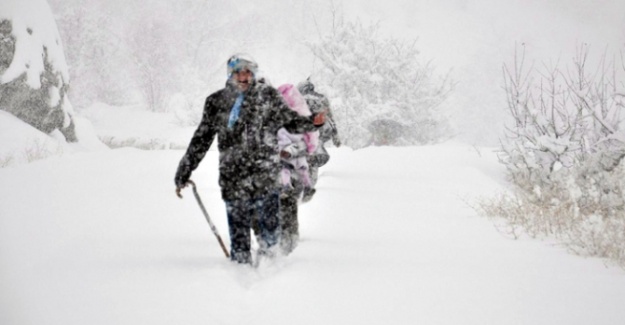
(236, 64)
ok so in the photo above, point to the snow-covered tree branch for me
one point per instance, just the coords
(564, 153)
(381, 92)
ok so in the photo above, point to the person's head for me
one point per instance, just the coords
(306, 87)
(241, 70)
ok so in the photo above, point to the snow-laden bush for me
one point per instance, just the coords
(370, 78)
(584, 213)
(564, 154)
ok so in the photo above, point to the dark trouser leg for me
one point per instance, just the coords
(314, 174)
(310, 191)
(239, 218)
(256, 226)
(267, 209)
(290, 225)
(318, 159)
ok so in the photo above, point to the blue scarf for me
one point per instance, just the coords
(236, 109)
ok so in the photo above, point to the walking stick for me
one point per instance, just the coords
(210, 223)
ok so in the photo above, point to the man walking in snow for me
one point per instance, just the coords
(246, 116)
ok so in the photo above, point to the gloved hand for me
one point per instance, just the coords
(285, 154)
(179, 187)
(320, 118)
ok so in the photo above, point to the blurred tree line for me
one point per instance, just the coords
(168, 55)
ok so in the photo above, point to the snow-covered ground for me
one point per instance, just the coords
(90, 235)
(99, 237)
(137, 127)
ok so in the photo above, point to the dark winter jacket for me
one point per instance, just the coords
(318, 103)
(249, 162)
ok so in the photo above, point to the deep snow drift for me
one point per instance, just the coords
(101, 238)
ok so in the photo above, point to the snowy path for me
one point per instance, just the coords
(100, 238)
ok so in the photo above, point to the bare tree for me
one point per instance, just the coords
(564, 153)
(370, 78)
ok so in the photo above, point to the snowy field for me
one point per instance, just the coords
(99, 237)
(91, 235)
